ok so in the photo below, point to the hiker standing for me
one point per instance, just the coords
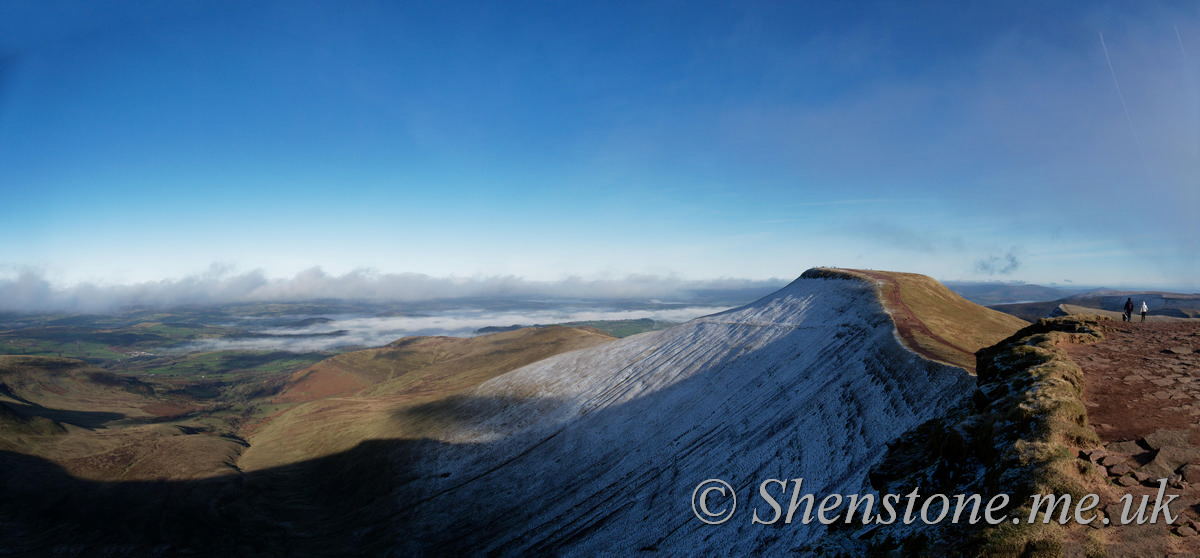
(1128, 315)
(1144, 310)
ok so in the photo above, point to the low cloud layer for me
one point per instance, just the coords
(31, 291)
(374, 331)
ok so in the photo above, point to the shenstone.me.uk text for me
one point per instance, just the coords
(714, 502)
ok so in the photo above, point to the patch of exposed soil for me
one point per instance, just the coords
(1142, 391)
(319, 383)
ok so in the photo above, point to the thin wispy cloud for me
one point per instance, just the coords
(1005, 264)
(856, 202)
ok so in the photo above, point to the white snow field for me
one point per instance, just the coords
(599, 451)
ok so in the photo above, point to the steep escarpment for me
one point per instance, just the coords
(1024, 432)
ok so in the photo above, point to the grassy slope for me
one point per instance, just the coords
(104, 426)
(369, 394)
(941, 324)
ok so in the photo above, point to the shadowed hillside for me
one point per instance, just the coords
(104, 426)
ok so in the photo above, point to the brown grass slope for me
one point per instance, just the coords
(103, 426)
(370, 394)
(934, 321)
(434, 366)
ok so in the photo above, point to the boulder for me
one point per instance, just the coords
(1170, 459)
(1128, 447)
(1111, 459)
(1120, 469)
(1191, 473)
(1162, 438)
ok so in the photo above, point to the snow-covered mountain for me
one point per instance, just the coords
(600, 450)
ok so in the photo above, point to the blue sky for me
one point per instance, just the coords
(146, 142)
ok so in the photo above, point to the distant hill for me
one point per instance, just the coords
(989, 294)
(1163, 305)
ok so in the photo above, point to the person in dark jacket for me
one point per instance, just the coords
(1128, 315)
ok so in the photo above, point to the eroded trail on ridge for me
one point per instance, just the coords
(910, 327)
(1142, 391)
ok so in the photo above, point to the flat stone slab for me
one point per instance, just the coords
(1112, 459)
(1163, 438)
(1129, 447)
(1170, 459)
(1120, 469)
(1128, 481)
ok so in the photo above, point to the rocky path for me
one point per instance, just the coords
(1142, 390)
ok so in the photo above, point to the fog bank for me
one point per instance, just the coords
(376, 331)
